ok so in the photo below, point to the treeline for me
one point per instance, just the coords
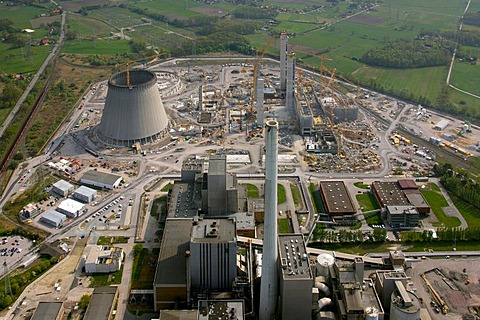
(242, 27)
(244, 12)
(463, 37)
(444, 234)
(330, 236)
(472, 19)
(410, 54)
(20, 281)
(459, 184)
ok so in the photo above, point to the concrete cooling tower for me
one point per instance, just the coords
(133, 110)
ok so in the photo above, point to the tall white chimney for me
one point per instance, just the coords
(269, 282)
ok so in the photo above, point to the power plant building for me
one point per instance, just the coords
(222, 195)
(213, 254)
(296, 279)
(134, 111)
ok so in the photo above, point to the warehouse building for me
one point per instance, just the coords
(442, 124)
(71, 208)
(101, 179)
(62, 188)
(85, 194)
(103, 259)
(389, 194)
(402, 217)
(336, 198)
(53, 218)
(101, 303)
(48, 311)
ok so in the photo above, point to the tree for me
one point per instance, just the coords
(84, 301)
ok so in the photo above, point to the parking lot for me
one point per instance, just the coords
(13, 250)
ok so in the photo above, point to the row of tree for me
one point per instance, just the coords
(459, 184)
(329, 236)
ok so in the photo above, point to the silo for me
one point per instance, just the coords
(133, 110)
(404, 306)
(324, 262)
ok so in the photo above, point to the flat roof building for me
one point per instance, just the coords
(101, 303)
(103, 259)
(170, 282)
(53, 218)
(85, 194)
(71, 208)
(220, 309)
(337, 198)
(389, 194)
(101, 179)
(402, 217)
(62, 188)
(418, 201)
(442, 124)
(213, 254)
(296, 278)
(48, 311)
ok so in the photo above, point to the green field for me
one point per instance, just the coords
(22, 60)
(281, 194)
(467, 77)
(88, 27)
(297, 198)
(436, 201)
(252, 191)
(21, 15)
(283, 226)
(97, 46)
(367, 202)
(469, 212)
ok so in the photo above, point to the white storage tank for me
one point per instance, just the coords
(324, 262)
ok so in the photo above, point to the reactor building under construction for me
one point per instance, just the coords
(134, 111)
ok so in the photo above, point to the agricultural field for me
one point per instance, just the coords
(88, 27)
(97, 46)
(21, 15)
(466, 76)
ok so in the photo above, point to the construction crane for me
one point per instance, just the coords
(143, 61)
(438, 299)
(255, 75)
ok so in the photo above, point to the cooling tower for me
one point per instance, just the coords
(133, 110)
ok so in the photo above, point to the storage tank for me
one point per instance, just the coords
(399, 310)
(371, 313)
(322, 287)
(324, 262)
(133, 110)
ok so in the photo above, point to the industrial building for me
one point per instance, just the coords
(213, 254)
(296, 279)
(101, 179)
(71, 208)
(389, 194)
(53, 218)
(134, 111)
(85, 194)
(220, 309)
(442, 124)
(322, 141)
(336, 198)
(170, 282)
(48, 311)
(103, 259)
(101, 304)
(402, 217)
(62, 188)
(222, 194)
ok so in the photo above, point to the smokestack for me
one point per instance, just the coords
(289, 95)
(268, 287)
(283, 61)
